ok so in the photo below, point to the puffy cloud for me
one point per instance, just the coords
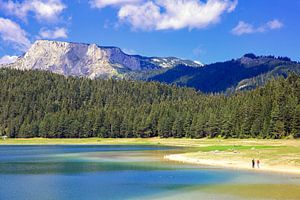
(144, 16)
(12, 33)
(105, 3)
(169, 14)
(8, 59)
(48, 10)
(246, 28)
(274, 24)
(53, 34)
(192, 13)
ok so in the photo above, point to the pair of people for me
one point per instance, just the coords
(257, 163)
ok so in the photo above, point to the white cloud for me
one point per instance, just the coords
(13, 34)
(129, 51)
(169, 14)
(275, 24)
(192, 13)
(53, 34)
(243, 28)
(144, 16)
(8, 59)
(105, 3)
(44, 10)
(246, 28)
(232, 6)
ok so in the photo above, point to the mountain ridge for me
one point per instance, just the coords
(89, 60)
(229, 76)
(94, 61)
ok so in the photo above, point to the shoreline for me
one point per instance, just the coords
(236, 165)
(277, 156)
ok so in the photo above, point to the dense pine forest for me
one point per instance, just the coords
(42, 104)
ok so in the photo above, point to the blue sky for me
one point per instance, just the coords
(204, 30)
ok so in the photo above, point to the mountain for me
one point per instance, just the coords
(244, 73)
(89, 60)
(93, 61)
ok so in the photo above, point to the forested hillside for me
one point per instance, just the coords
(244, 73)
(42, 104)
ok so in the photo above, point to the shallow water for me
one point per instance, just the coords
(127, 172)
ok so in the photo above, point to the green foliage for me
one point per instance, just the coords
(42, 104)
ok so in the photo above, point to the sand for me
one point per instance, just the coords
(233, 164)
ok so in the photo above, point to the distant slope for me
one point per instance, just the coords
(247, 72)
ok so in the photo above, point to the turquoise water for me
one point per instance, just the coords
(87, 172)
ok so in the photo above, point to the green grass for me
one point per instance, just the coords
(201, 144)
(232, 148)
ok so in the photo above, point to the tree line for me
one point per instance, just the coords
(42, 104)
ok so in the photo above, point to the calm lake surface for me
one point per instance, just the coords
(89, 172)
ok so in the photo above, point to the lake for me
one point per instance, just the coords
(93, 172)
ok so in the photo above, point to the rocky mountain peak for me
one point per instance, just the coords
(88, 60)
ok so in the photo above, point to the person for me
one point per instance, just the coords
(253, 163)
(257, 163)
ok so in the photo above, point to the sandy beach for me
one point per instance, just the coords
(231, 164)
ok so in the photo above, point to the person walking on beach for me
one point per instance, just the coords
(257, 163)
(253, 163)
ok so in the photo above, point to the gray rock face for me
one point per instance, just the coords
(88, 60)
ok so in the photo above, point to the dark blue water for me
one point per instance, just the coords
(107, 172)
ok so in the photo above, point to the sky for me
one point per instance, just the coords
(204, 30)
